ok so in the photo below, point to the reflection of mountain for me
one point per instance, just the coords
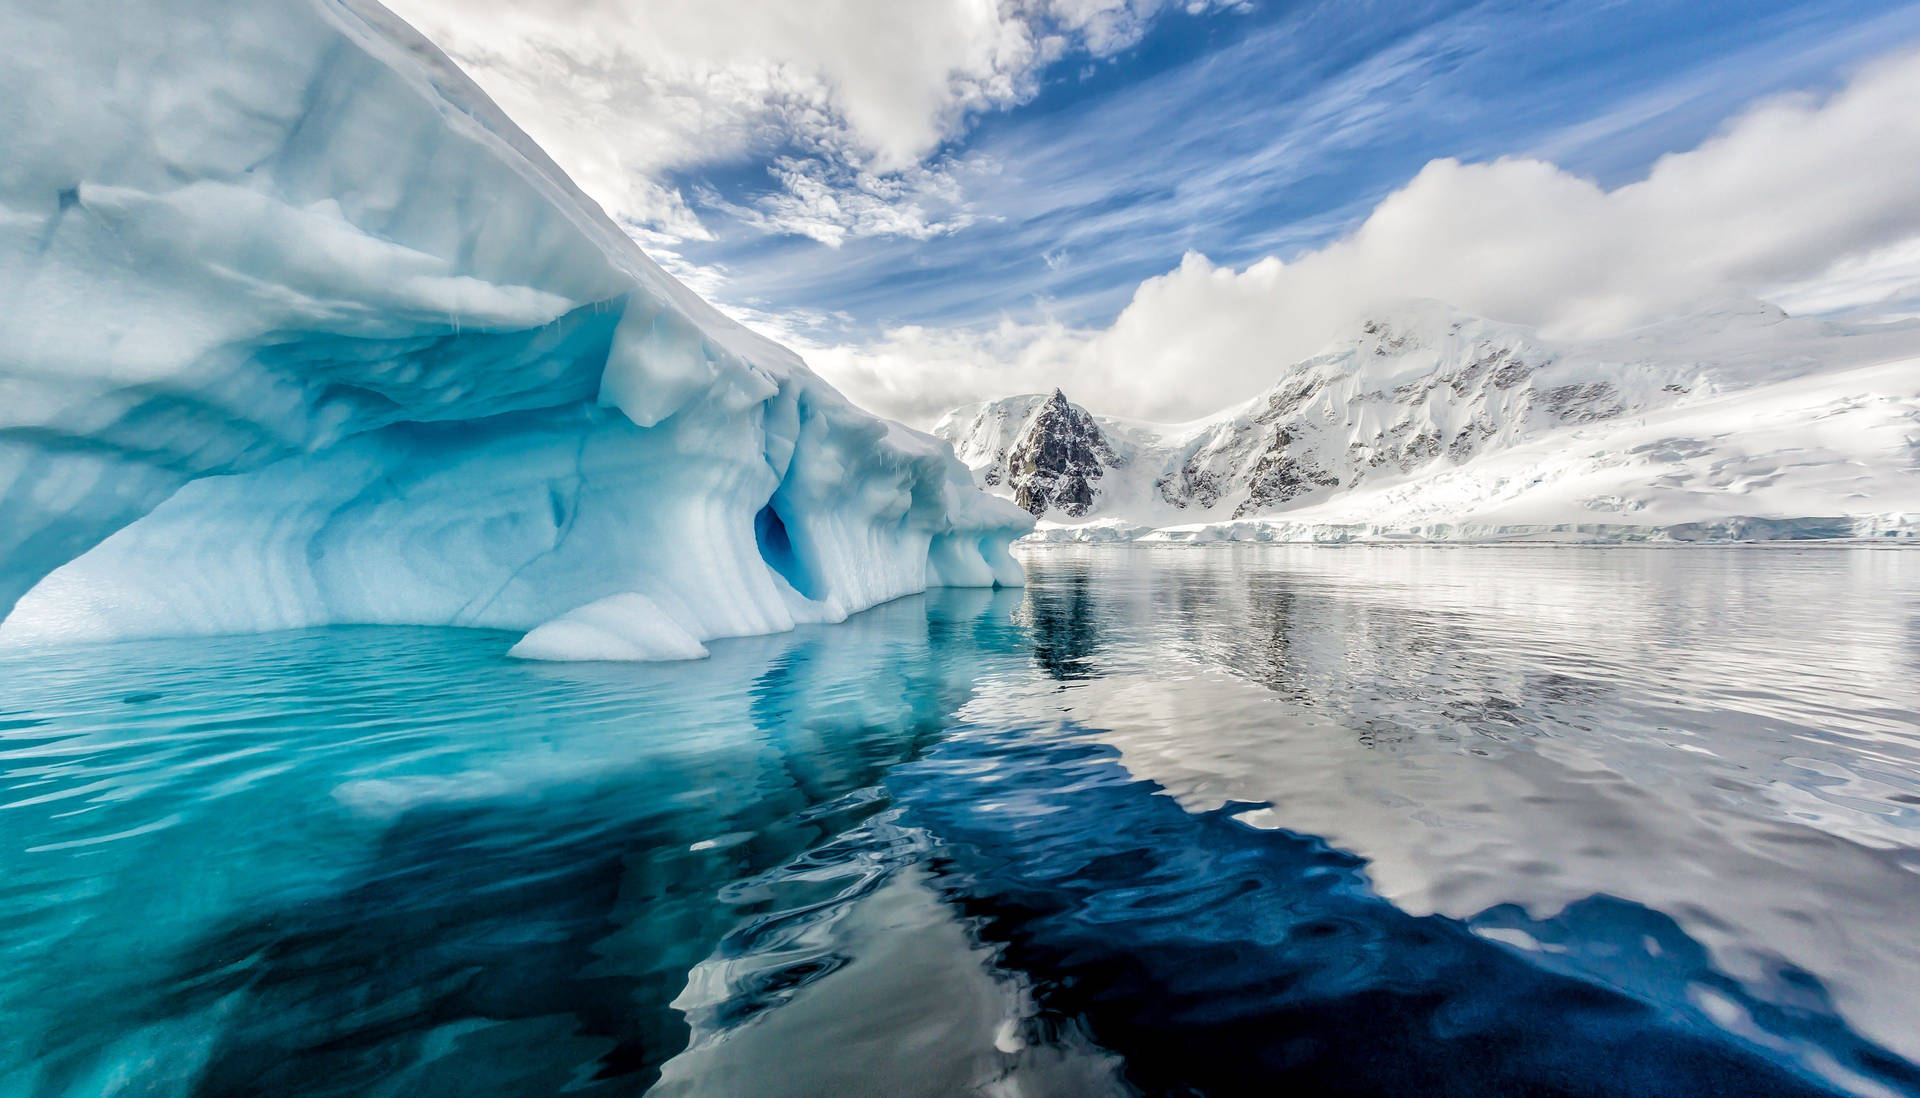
(1062, 623)
(1539, 726)
(1251, 821)
(1221, 959)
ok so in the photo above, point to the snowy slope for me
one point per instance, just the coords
(1048, 454)
(296, 328)
(1735, 423)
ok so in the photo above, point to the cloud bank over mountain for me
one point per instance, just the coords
(1793, 201)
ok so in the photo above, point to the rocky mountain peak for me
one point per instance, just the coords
(1058, 457)
(1415, 408)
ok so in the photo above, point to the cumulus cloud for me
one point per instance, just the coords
(622, 93)
(1810, 201)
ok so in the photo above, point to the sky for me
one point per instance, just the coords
(1158, 205)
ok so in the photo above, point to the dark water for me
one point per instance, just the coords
(1222, 821)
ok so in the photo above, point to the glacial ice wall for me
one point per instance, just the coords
(297, 329)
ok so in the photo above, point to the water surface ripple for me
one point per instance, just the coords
(1238, 820)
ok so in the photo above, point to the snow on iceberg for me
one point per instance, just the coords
(297, 329)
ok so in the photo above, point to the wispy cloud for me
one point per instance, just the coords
(1804, 196)
(942, 200)
(1282, 132)
(849, 103)
(830, 201)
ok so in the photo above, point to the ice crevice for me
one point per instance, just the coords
(297, 329)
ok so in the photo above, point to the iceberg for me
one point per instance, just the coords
(297, 329)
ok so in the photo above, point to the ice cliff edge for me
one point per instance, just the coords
(297, 329)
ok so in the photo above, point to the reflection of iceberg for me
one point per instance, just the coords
(299, 329)
(391, 897)
(880, 990)
(382, 862)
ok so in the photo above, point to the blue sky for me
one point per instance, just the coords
(1241, 134)
(939, 201)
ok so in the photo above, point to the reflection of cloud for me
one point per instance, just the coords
(1531, 727)
(1210, 954)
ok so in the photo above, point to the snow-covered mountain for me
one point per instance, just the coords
(296, 328)
(1734, 422)
(1052, 462)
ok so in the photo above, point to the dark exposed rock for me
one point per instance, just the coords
(1389, 342)
(1420, 449)
(1327, 424)
(1057, 459)
(1278, 476)
(1469, 439)
(1289, 398)
(1511, 373)
(1413, 392)
(1192, 485)
(1583, 403)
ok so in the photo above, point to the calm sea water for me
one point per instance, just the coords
(1221, 821)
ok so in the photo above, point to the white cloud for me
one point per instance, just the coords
(1885, 280)
(623, 92)
(830, 201)
(1803, 199)
(915, 374)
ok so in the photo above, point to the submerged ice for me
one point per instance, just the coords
(300, 330)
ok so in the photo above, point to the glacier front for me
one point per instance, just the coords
(296, 328)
